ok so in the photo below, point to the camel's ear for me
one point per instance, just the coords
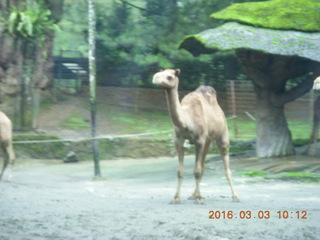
(177, 72)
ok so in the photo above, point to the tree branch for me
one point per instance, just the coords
(294, 92)
(301, 88)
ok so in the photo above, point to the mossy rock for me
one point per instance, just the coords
(302, 15)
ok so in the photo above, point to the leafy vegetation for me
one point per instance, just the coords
(137, 38)
(32, 22)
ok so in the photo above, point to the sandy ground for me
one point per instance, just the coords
(53, 200)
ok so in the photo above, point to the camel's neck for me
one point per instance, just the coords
(175, 108)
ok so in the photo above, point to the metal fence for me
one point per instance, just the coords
(240, 110)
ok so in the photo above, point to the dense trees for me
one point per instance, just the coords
(26, 37)
(137, 38)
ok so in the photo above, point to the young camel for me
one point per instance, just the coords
(199, 119)
(316, 120)
(6, 144)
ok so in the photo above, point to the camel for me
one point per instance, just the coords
(199, 119)
(316, 120)
(6, 144)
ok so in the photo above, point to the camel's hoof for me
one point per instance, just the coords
(235, 198)
(175, 201)
(199, 200)
(192, 197)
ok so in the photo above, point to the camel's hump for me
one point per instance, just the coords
(206, 90)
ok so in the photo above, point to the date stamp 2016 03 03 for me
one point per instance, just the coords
(262, 214)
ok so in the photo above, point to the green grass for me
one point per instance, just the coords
(129, 121)
(254, 173)
(301, 177)
(304, 177)
(75, 122)
(242, 128)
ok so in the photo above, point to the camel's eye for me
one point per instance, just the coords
(169, 78)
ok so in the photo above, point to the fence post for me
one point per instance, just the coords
(92, 81)
(233, 108)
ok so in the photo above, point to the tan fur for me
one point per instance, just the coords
(316, 121)
(6, 144)
(199, 119)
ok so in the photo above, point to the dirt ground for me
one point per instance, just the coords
(54, 200)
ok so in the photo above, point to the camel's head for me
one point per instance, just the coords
(316, 84)
(167, 78)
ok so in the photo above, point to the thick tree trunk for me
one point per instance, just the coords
(270, 74)
(274, 137)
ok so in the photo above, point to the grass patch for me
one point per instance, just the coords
(243, 128)
(300, 129)
(254, 173)
(128, 121)
(75, 122)
(304, 177)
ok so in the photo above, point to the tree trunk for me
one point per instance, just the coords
(273, 135)
(92, 82)
(270, 74)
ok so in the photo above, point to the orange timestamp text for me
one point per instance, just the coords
(262, 214)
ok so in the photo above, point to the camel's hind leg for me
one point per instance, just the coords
(12, 157)
(5, 159)
(8, 158)
(223, 146)
(315, 130)
(180, 151)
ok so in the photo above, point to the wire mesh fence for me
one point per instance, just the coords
(240, 110)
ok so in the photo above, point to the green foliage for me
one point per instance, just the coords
(72, 35)
(32, 22)
(301, 15)
(132, 44)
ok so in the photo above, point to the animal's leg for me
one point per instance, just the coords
(205, 152)
(223, 147)
(315, 130)
(5, 160)
(198, 171)
(11, 158)
(180, 151)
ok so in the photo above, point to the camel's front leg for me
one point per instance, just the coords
(180, 151)
(198, 171)
(315, 130)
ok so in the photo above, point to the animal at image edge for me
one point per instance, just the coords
(199, 119)
(6, 144)
(316, 121)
